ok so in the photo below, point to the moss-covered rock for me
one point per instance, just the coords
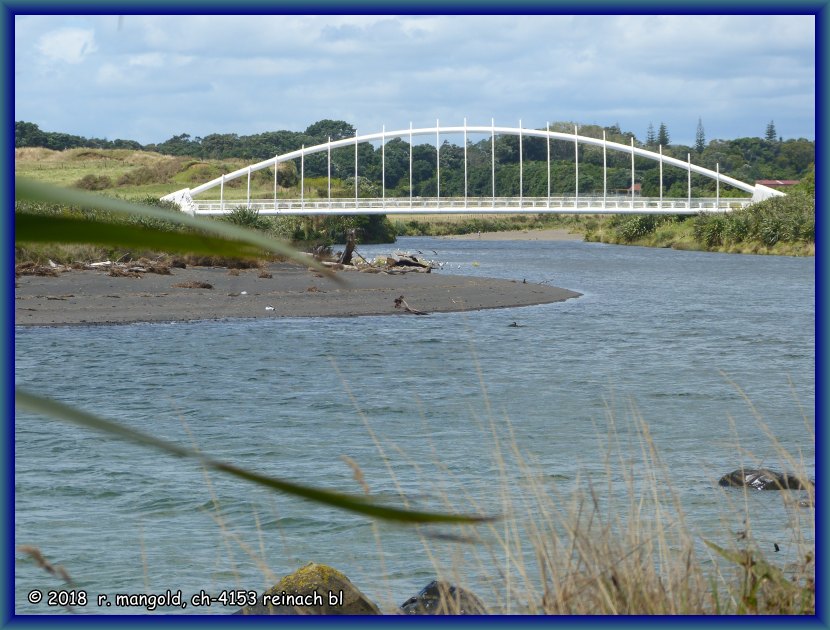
(315, 589)
(763, 479)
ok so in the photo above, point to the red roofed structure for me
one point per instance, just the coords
(777, 183)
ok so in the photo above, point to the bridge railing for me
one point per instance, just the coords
(584, 204)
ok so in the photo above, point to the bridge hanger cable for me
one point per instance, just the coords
(328, 170)
(547, 142)
(493, 157)
(437, 163)
(661, 176)
(632, 172)
(604, 172)
(521, 166)
(576, 167)
(465, 162)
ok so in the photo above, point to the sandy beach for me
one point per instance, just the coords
(81, 297)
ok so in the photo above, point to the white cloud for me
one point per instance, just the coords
(249, 74)
(70, 45)
(147, 60)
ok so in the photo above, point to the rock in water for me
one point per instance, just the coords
(441, 598)
(763, 479)
(315, 589)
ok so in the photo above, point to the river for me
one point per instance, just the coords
(714, 353)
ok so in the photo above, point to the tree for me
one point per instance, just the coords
(322, 130)
(771, 134)
(179, 145)
(217, 146)
(700, 137)
(615, 129)
(663, 135)
(28, 134)
(651, 137)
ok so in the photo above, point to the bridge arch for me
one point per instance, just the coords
(184, 197)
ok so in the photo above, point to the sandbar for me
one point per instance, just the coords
(84, 297)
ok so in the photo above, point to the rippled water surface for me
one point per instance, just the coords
(714, 352)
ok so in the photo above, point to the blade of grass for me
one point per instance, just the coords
(36, 191)
(760, 567)
(358, 504)
(38, 228)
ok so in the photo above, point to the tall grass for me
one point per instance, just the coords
(779, 225)
(621, 543)
(615, 540)
(769, 222)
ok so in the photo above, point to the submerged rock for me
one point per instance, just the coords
(764, 479)
(315, 589)
(441, 598)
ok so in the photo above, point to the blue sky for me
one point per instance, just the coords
(148, 78)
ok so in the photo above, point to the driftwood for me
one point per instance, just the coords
(346, 256)
(397, 264)
(359, 255)
(33, 269)
(336, 266)
(401, 303)
(407, 261)
(130, 268)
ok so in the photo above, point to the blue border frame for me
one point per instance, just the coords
(9, 8)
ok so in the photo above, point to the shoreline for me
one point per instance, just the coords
(547, 234)
(84, 297)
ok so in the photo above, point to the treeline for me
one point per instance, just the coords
(28, 134)
(746, 159)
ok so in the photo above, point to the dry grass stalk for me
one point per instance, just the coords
(43, 563)
(622, 546)
(358, 473)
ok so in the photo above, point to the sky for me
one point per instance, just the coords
(148, 78)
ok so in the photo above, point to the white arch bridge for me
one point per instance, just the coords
(467, 204)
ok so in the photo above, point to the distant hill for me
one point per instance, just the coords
(184, 161)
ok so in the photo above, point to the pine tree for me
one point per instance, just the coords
(663, 135)
(771, 134)
(651, 138)
(700, 137)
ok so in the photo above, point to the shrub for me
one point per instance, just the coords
(709, 229)
(161, 172)
(94, 182)
(637, 227)
(247, 217)
(373, 228)
(736, 228)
